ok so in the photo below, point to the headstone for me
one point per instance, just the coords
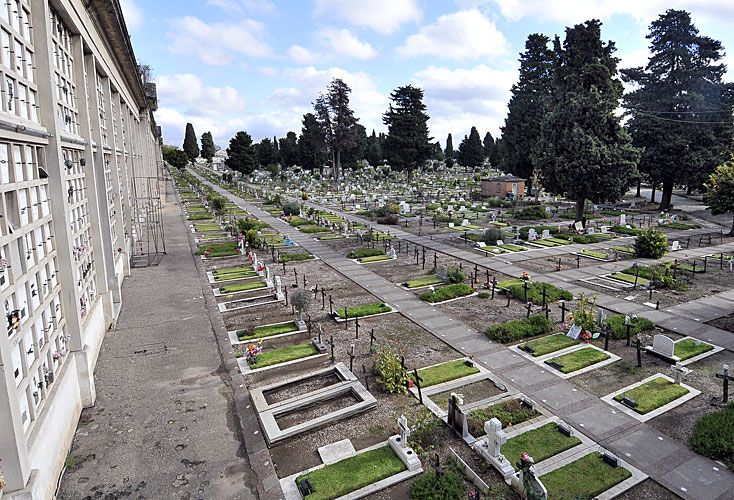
(663, 346)
(604, 229)
(496, 437)
(268, 279)
(451, 224)
(590, 230)
(254, 261)
(675, 246)
(622, 219)
(481, 244)
(679, 372)
(545, 234)
(574, 332)
(404, 431)
(391, 253)
(533, 488)
(499, 243)
(578, 226)
(532, 235)
(279, 289)
(465, 223)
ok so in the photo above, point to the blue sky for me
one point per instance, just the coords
(257, 65)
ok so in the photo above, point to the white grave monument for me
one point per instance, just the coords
(391, 253)
(490, 448)
(532, 235)
(399, 445)
(545, 234)
(664, 347)
(279, 289)
(622, 219)
(680, 372)
(675, 246)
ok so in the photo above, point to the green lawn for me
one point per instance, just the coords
(207, 228)
(510, 412)
(653, 394)
(445, 372)
(267, 331)
(313, 228)
(364, 310)
(625, 249)
(547, 345)
(628, 278)
(513, 248)
(373, 258)
(679, 226)
(232, 270)
(558, 241)
(425, 281)
(364, 252)
(619, 329)
(577, 360)
(284, 354)
(351, 474)
(201, 217)
(541, 444)
(518, 329)
(547, 243)
(594, 254)
(219, 249)
(447, 292)
(242, 287)
(295, 257)
(587, 477)
(535, 293)
(688, 348)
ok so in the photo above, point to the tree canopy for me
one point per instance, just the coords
(242, 156)
(407, 145)
(471, 151)
(449, 151)
(190, 144)
(174, 156)
(336, 121)
(207, 146)
(311, 144)
(719, 193)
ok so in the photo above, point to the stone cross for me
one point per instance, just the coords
(404, 431)
(680, 372)
(496, 437)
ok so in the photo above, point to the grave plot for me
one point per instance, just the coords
(724, 323)
(516, 411)
(234, 273)
(270, 331)
(562, 262)
(439, 374)
(422, 282)
(257, 360)
(218, 251)
(256, 299)
(294, 406)
(652, 396)
(365, 310)
(683, 351)
(447, 293)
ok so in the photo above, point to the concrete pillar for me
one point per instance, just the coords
(16, 465)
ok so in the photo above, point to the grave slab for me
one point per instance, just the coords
(336, 452)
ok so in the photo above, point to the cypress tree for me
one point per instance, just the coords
(449, 152)
(207, 146)
(190, 144)
(408, 145)
(488, 144)
(241, 154)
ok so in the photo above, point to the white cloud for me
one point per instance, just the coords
(466, 34)
(383, 16)
(302, 55)
(343, 42)
(268, 71)
(132, 13)
(459, 98)
(189, 94)
(249, 7)
(218, 43)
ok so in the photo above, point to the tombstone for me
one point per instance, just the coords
(391, 253)
(680, 372)
(493, 215)
(675, 246)
(254, 261)
(465, 223)
(457, 419)
(496, 437)
(548, 210)
(441, 272)
(600, 317)
(622, 219)
(462, 208)
(450, 208)
(663, 346)
(605, 229)
(481, 244)
(578, 226)
(279, 289)
(574, 332)
(499, 243)
(545, 234)
(451, 224)
(268, 279)
(590, 230)
(404, 431)
(532, 235)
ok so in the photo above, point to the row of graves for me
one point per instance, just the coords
(335, 432)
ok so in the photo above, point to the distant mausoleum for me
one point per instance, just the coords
(505, 186)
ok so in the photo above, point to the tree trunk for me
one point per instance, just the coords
(652, 196)
(580, 208)
(639, 186)
(337, 165)
(666, 195)
(689, 189)
(731, 233)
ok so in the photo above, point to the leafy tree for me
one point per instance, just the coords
(266, 154)
(276, 150)
(190, 144)
(175, 157)
(449, 151)
(681, 111)
(336, 121)
(242, 156)
(471, 151)
(527, 107)
(720, 191)
(408, 145)
(289, 150)
(489, 145)
(373, 151)
(207, 146)
(584, 153)
(311, 144)
(356, 152)
(437, 152)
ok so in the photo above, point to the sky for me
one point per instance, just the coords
(258, 65)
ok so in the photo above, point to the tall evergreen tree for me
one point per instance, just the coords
(437, 152)
(241, 154)
(488, 144)
(681, 111)
(471, 151)
(190, 144)
(276, 150)
(527, 108)
(584, 153)
(408, 145)
(449, 151)
(289, 150)
(207, 146)
(311, 144)
(265, 152)
(336, 120)
(357, 150)
(373, 153)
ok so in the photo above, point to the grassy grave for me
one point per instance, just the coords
(513, 248)
(653, 394)
(219, 249)
(283, 355)
(445, 372)
(619, 329)
(207, 228)
(713, 435)
(594, 254)
(541, 444)
(587, 477)
(351, 474)
(577, 360)
(535, 292)
(373, 258)
(518, 329)
(510, 412)
(629, 278)
(294, 257)
(313, 229)
(424, 281)
(547, 345)
(447, 292)
(242, 287)
(363, 310)
(689, 348)
(263, 331)
(361, 253)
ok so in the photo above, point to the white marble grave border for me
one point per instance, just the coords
(716, 349)
(234, 339)
(457, 382)
(541, 360)
(335, 315)
(609, 398)
(455, 386)
(247, 302)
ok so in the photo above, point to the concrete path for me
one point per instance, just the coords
(164, 424)
(667, 461)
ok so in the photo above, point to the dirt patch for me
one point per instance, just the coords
(725, 323)
(317, 409)
(301, 388)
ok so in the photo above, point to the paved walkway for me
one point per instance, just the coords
(667, 461)
(164, 424)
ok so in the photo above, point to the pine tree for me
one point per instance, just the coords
(471, 151)
(488, 145)
(373, 153)
(311, 144)
(289, 150)
(276, 150)
(584, 153)
(241, 154)
(449, 152)
(190, 144)
(336, 120)
(527, 108)
(681, 110)
(408, 145)
(265, 152)
(207, 146)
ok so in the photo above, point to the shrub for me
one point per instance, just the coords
(392, 376)
(291, 208)
(518, 329)
(304, 195)
(483, 295)
(390, 220)
(447, 292)
(491, 235)
(532, 212)
(448, 486)
(651, 244)
(364, 252)
(301, 301)
(713, 435)
(423, 431)
(619, 329)
(455, 274)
